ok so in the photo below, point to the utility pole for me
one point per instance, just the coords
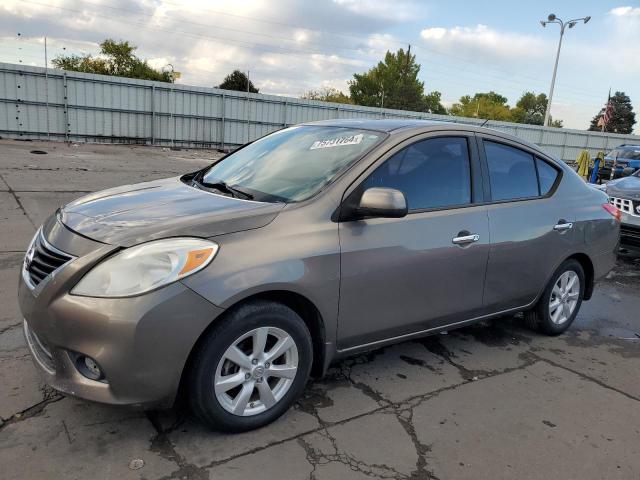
(248, 109)
(46, 86)
(552, 18)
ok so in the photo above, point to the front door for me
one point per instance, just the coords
(405, 275)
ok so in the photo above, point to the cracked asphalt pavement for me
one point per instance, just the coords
(485, 402)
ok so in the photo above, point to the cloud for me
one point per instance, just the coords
(620, 49)
(483, 42)
(300, 46)
(378, 43)
(625, 12)
(397, 11)
(303, 47)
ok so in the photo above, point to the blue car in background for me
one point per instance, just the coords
(628, 156)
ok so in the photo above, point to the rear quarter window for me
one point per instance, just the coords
(547, 176)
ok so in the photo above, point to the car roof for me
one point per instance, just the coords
(392, 126)
(395, 125)
(383, 125)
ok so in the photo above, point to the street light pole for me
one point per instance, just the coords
(571, 23)
(553, 79)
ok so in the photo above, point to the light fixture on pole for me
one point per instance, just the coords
(552, 18)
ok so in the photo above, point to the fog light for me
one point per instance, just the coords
(92, 366)
(88, 367)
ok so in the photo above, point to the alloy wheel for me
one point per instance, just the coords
(564, 297)
(256, 371)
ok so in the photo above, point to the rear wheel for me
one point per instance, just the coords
(559, 304)
(251, 368)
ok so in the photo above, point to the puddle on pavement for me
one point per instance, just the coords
(620, 333)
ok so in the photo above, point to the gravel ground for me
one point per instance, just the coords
(486, 402)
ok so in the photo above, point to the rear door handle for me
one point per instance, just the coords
(562, 225)
(466, 239)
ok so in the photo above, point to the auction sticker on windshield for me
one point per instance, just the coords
(337, 142)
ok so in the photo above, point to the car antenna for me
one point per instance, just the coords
(484, 123)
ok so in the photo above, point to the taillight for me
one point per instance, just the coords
(615, 212)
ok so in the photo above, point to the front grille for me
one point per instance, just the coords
(630, 235)
(39, 350)
(45, 260)
(625, 205)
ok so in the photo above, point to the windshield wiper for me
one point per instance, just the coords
(223, 187)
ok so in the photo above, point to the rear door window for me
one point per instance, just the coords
(512, 172)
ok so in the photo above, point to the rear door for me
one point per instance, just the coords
(531, 230)
(402, 275)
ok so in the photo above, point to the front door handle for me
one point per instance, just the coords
(464, 239)
(562, 225)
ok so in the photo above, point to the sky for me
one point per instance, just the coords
(290, 47)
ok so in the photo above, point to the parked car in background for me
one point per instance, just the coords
(237, 282)
(624, 193)
(625, 157)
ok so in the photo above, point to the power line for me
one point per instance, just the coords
(204, 25)
(305, 54)
(485, 69)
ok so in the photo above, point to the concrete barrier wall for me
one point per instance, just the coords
(39, 103)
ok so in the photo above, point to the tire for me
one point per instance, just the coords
(216, 392)
(545, 319)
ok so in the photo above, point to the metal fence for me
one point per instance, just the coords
(39, 103)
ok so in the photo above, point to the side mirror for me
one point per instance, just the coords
(382, 202)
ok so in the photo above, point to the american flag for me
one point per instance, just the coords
(608, 112)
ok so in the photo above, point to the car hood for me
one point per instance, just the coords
(132, 214)
(626, 186)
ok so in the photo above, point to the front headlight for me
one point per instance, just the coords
(146, 267)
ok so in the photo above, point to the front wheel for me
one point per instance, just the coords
(559, 304)
(251, 368)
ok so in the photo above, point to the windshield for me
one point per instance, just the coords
(629, 153)
(292, 164)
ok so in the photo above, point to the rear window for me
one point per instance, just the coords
(512, 173)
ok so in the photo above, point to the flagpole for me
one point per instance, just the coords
(604, 114)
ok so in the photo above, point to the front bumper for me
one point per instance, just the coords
(141, 343)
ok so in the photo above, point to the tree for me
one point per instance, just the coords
(491, 105)
(433, 104)
(328, 94)
(622, 118)
(237, 80)
(530, 109)
(392, 83)
(115, 58)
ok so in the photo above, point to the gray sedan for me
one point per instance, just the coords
(235, 283)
